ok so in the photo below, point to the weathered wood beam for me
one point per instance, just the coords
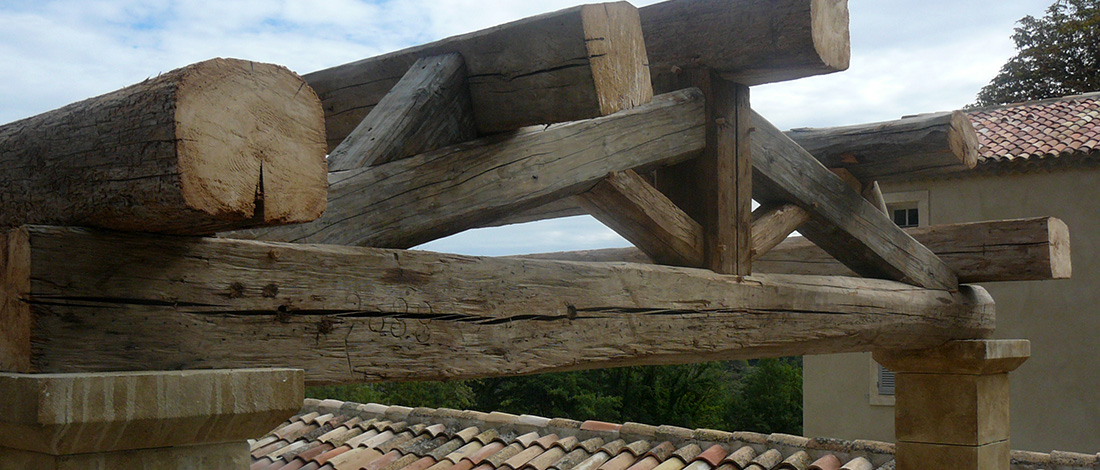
(565, 207)
(579, 63)
(773, 224)
(216, 145)
(415, 200)
(716, 188)
(842, 223)
(750, 41)
(103, 301)
(429, 108)
(1035, 249)
(637, 211)
(912, 147)
(1007, 250)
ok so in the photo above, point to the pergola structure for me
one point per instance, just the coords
(642, 119)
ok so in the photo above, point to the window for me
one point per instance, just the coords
(882, 385)
(906, 217)
(885, 381)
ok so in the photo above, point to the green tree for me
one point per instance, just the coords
(1057, 55)
(768, 398)
(454, 394)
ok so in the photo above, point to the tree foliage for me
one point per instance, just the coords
(1057, 55)
(765, 396)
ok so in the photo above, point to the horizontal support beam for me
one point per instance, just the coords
(579, 63)
(222, 144)
(101, 301)
(416, 200)
(909, 148)
(751, 42)
(841, 221)
(1035, 249)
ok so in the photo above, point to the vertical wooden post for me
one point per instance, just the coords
(716, 188)
(952, 407)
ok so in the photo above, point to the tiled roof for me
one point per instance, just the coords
(338, 435)
(1067, 128)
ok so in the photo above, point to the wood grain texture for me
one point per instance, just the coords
(216, 145)
(416, 200)
(773, 224)
(842, 223)
(748, 41)
(429, 108)
(15, 313)
(629, 205)
(909, 148)
(578, 63)
(108, 301)
(1006, 250)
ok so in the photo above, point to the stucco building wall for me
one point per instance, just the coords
(1056, 394)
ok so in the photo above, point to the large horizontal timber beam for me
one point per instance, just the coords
(1036, 249)
(218, 145)
(78, 300)
(414, 200)
(578, 63)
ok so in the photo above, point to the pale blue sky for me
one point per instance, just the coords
(908, 57)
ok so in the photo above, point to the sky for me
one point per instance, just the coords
(908, 57)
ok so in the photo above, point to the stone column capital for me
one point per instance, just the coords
(967, 357)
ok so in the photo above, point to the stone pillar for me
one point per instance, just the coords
(142, 420)
(951, 406)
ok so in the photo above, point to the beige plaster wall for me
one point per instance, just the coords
(1056, 394)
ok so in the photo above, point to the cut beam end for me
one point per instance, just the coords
(963, 139)
(1060, 265)
(832, 39)
(250, 132)
(616, 47)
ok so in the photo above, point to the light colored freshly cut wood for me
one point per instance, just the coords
(216, 145)
(415, 200)
(747, 41)
(637, 211)
(578, 63)
(1006, 250)
(842, 223)
(429, 108)
(108, 301)
(773, 224)
(909, 148)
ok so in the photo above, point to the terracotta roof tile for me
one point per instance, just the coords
(1037, 130)
(827, 462)
(336, 435)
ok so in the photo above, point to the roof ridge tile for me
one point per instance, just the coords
(766, 461)
(796, 461)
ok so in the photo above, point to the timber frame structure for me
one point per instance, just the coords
(650, 131)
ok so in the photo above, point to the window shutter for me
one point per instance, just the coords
(885, 381)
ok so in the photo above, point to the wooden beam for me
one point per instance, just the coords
(429, 108)
(104, 301)
(1007, 250)
(873, 194)
(578, 63)
(637, 211)
(751, 41)
(909, 148)
(773, 224)
(415, 200)
(216, 145)
(716, 189)
(565, 207)
(842, 223)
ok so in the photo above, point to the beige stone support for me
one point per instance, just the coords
(952, 408)
(142, 420)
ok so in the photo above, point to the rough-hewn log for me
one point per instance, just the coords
(1009, 250)
(565, 207)
(216, 145)
(773, 224)
(429, 108)
(749, 41)
(415, 200)
(1006, 250)
(716, 188)
(579, 63)
(637, 211)
(873, 194)
(110, 301)
(912, 147)
(842, 223)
